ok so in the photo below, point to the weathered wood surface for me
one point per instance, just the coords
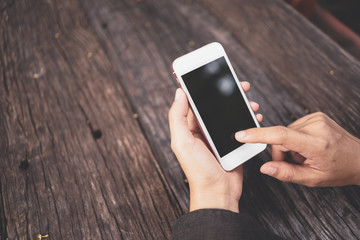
(71, 70)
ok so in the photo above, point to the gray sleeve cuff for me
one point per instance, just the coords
(218, 224)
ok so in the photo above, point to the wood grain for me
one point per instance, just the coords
(56, 178)
(85, 91)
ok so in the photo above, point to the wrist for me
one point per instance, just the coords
(214, 200)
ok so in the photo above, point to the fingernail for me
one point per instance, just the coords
(256, 104)
(240, 135)
(268, 170)
(177, 93)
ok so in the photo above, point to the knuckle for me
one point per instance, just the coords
(321, 115)
(282, 132)
(323, 144)
(322, 124)
(288, 175)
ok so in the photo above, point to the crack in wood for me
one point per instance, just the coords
(24, 164)
(3, 221)
(96, 133)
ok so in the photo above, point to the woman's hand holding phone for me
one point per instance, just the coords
(324, 153)
(210, 185)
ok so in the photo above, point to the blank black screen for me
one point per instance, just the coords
(220, 103)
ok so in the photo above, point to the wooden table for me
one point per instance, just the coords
(85, 89)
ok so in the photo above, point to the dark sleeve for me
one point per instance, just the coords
(218, 224)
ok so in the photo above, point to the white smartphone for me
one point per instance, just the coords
(218, 102)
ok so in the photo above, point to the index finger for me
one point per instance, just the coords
(279, 135)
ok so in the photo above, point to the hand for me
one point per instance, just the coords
(324, 153)
(210, 185)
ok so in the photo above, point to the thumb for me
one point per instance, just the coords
(178, 117)
(287, 172)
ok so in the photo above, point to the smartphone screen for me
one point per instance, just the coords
(220, 103)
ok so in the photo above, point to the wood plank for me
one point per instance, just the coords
(58, 175)
(141, 52)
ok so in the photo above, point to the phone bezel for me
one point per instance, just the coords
(194, 60)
